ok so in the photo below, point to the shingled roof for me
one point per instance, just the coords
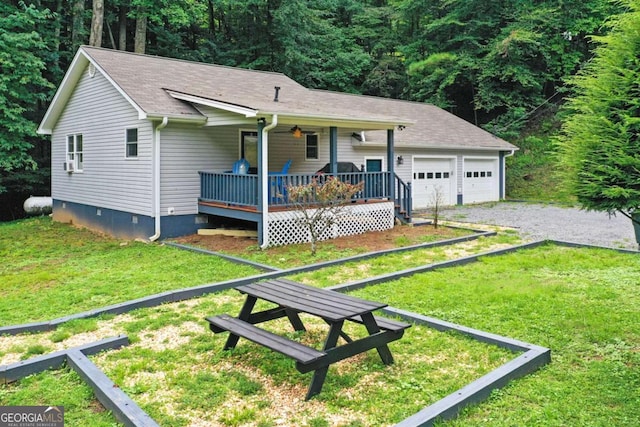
(150, 84)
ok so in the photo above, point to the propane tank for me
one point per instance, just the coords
(38, 205)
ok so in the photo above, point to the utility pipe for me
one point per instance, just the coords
(264, 166)
(156, 178)
(504, 174)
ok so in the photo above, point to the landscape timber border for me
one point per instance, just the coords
(126, 411)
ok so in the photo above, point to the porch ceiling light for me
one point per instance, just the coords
(296, 132)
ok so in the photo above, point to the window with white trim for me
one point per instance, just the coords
(312, 147)
(74, 152)
(131, 143)
(249, 147)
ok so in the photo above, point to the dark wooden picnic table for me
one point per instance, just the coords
(291, 299)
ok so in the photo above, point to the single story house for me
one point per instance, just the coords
(150, 147)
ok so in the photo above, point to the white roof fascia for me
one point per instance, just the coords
(247, 112)
(65, 90)
(400, 144)
(174, 118)
(327, 120)
(63, 93)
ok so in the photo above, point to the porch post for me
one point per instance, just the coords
(391, 158)
(501, 176)
(333, 149)
(262, 182)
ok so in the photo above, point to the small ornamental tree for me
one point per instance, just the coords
(321, 204)
(599, 147)
(437, 201)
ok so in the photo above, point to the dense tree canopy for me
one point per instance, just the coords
(490, 62)
(600, 143)
(23, 90)
(22, 85)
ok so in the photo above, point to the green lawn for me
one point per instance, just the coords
(581, 303)
(57, 270)
(584, 304)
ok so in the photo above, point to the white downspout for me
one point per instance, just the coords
(156, 178)
(265, 177)
(504, 174)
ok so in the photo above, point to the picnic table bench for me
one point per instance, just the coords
(291, 299)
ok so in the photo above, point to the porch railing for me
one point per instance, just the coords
(229, 188)
(242, 190)
(403, 203)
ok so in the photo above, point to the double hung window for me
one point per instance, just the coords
(312, 147)
(75, 157)
(131, 143)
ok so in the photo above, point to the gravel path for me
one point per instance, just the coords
(537, 221)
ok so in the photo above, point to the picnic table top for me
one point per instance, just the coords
(329, 305)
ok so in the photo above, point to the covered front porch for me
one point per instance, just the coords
(258, 192)
(230, 195)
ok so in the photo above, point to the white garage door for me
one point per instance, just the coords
(433, 178)
(480, 181)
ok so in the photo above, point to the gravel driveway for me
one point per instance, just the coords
(537, 221)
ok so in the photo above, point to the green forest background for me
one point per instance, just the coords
(502, 65)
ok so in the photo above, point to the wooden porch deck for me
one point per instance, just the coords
(236, 195)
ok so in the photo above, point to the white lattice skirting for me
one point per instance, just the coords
(285, 227)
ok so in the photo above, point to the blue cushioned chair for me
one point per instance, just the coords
(282, 189)
(241, 167)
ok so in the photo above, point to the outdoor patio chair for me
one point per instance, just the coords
(281, 188)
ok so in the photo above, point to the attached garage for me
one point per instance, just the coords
(433, 179)
(480, 180)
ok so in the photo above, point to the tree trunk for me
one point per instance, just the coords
(122, 31)
(77, 26)
(140, 40)
(111, 39)
(56, 35)
(97, 22)
(635, 218)
(212, 20)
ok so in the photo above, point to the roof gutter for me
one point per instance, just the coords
(156, 178)
(265, 176)
(324, 119)
(378, 143)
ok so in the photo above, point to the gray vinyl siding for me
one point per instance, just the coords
(185, 150)
(108, 180)
(284, 147)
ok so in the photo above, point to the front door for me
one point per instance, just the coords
(374, 185)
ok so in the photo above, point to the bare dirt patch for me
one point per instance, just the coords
(398, 236)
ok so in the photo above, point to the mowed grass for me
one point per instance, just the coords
(50, 270)
(176, 371)
(582, 303)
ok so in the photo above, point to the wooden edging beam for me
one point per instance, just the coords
(109, 394)
(450, 406)
(532, 358)
(15, 371)
(196, 291)
(231, 258)
(351, 286)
